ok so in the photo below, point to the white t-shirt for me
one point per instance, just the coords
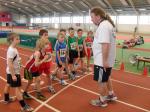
(11, 53)
(105, 34)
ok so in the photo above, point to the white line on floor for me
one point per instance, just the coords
(133, 85)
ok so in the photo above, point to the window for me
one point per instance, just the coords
(31, 20)
(65, 19)
(144, 20)
(45, 20)
(78, 19)
(38, 20)
(55, 19)
(127, 20)
(88, 19)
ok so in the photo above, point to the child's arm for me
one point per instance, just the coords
(37, 58)
(67, 47)
(85, 48)
(78, 48)
(58, 56)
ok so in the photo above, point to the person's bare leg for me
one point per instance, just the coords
(103, 91)
(28, 85)
(109, 85)
(111, 95)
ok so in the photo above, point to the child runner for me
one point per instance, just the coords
(13, 73)
(73, 51)
(80, 48)
(32, 68)
(61, 51)
(88, 47)
(46, 66)
(62, 32)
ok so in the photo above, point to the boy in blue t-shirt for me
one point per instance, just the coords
(61, 54)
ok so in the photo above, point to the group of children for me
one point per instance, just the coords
(70, 51)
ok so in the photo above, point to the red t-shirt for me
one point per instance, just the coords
(30, 66)
(88, 42)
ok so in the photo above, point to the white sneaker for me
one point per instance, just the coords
(63, 83)
(98, 103)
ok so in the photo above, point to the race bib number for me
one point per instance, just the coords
(80, 47)
(62, 52)
(89, 45)
(73, 46)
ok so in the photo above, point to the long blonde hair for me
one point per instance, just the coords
(41, 43)
(100, 12)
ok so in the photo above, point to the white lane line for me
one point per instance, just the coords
(58, 93)
(50, 107)
(3, 58)
(3, 78)
(19, 53)
(133, 85)
(128, 104)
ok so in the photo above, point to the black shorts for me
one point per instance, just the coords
(72, 55)
(82, 54)
(12, 83)
(100, 74)
(35, 74)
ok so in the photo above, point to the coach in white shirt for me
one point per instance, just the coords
(104, 55)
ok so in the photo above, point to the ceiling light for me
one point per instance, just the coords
(19, 8)
(59, 0)
(71, 1)
(26, 7)
(12, 2)
(119, 10)
(69, 12)
(142, 9)
(56, 2)
(83, 11)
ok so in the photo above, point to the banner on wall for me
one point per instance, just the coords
(5, 17)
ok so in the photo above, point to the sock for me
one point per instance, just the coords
(111, 92)
(25, 92)
(22, 103)
(6, 95)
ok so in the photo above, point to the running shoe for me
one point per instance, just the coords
(11, 99)
(111, 97)
(63, 83)
(27, 108)
(51, 90)
(98, 103)
(26, 95)
(41, 97)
